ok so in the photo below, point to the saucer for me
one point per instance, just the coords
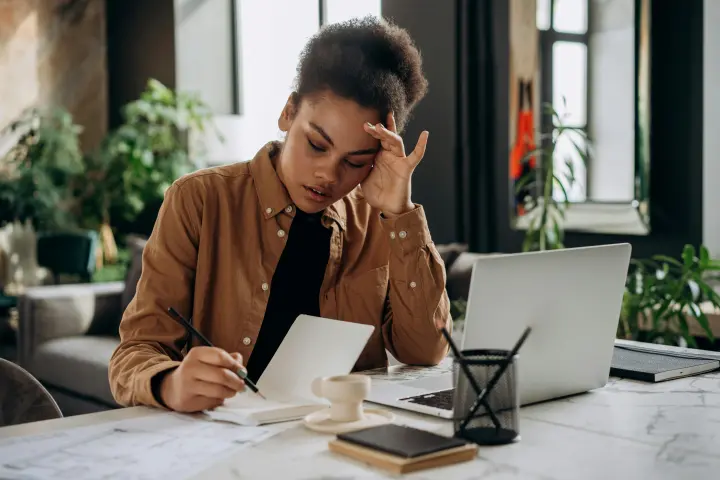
(320, 421)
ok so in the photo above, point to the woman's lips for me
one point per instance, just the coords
(317, 194)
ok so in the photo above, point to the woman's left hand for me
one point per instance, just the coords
(388, 186)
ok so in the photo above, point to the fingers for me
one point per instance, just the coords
(237, 357)
(219, 376)
(212, 390)
(216, 356)
(419, 151)
(391, 122)
(390, 141)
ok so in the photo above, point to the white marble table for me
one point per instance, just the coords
(626, 430)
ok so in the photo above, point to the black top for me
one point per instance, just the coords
(295, 287)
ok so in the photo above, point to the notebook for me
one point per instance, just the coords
(402, 449)
(313, 347)
(247, 408)
(656, 366)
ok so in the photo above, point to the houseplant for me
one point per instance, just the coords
(140, 159)
(38, 172)
(663, 294)
(544, 207)
(36, 178)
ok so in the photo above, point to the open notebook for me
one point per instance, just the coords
(287, 380)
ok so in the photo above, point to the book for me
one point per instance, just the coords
(646, 365)
(402, 449)
(247, 408)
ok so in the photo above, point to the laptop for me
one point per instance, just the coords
(571, 298)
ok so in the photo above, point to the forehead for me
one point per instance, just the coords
(341, 118)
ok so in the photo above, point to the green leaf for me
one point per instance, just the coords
(702, 320)
(524, 181)
(688, 255)
(704, 257)
(685, 330)
(666, 259)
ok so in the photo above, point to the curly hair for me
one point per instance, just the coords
(368, 60)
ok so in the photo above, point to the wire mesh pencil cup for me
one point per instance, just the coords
(483, 413)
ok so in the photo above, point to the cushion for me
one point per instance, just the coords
(76, 364)
(135, 245)
(449, 252)
(459, 274)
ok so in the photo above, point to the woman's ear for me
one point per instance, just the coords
(288, 113)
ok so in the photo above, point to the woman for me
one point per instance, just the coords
(320, 224)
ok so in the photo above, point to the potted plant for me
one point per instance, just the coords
(139, 161)
(545, 188)
(663, 295)
(36, 184)
(37, 173)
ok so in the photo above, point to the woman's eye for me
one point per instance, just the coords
(315, 147)
(353, 165)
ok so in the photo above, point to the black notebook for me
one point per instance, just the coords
(648, 366)
(400, 440)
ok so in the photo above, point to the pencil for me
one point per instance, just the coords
(240, 373)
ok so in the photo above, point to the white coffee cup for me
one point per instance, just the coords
(345, 393)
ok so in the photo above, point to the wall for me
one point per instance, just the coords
(432, 24)
(141, 45)
(48, 58)
(203, 48)
(711, 138)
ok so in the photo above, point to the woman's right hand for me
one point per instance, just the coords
(204, 379)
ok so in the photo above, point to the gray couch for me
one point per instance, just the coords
(68, 333)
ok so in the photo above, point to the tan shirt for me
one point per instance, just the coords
(212, 255)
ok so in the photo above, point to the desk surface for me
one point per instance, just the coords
(626, 430)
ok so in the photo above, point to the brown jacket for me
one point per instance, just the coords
(212, 254)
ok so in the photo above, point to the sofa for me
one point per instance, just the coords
(67, 333)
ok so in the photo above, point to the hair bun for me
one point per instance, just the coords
(369, 60)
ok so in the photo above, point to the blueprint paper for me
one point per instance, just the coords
(165, 445)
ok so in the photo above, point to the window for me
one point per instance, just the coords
(341, 10)
(267, 47)
(563, 32)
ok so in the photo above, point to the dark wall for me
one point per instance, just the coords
(432, 24)
(140, 45)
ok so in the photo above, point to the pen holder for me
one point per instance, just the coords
(501, 424)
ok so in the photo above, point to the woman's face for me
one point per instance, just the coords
(327, 152)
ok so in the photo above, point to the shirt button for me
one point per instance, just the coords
(246, 341)
(268, 210)
(265, 287)
(281, 233)
(392, 235)
(413, 284)
(288, 209)
(403, 234)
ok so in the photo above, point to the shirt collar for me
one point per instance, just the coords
(273, 195)
(338, 212)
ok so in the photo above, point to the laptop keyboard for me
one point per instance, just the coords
(442, 399)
